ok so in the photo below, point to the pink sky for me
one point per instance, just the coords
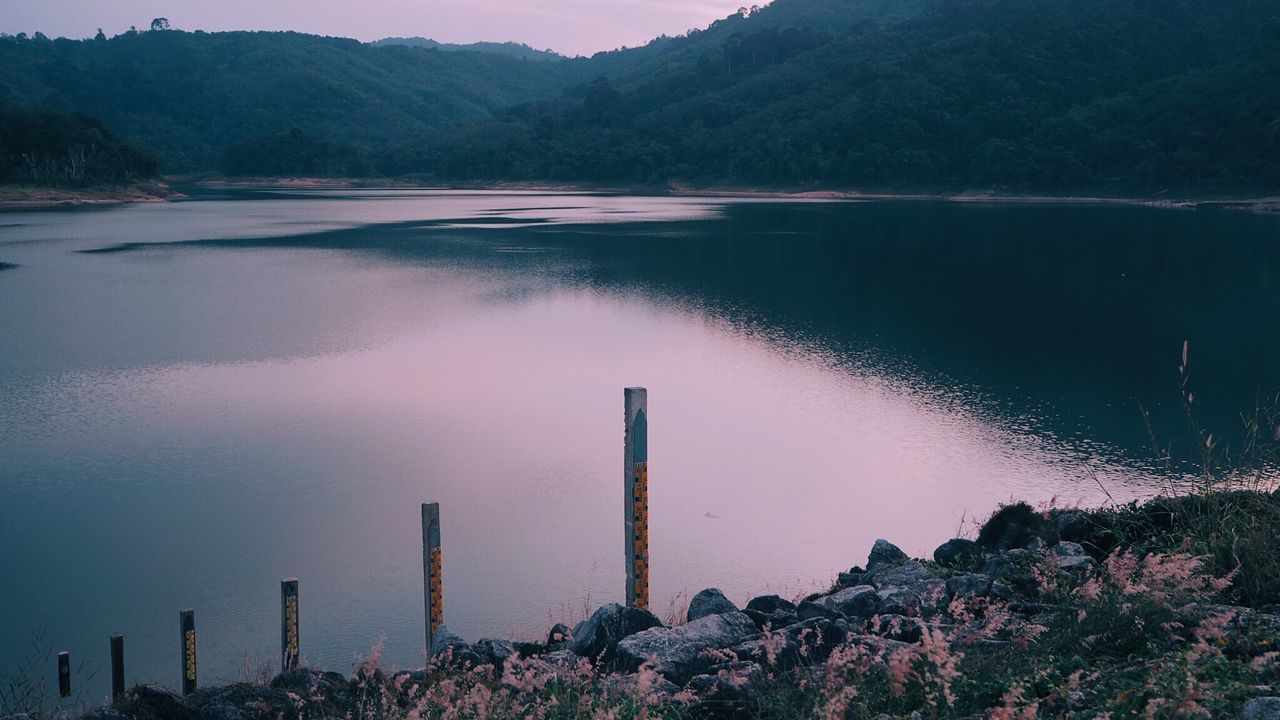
(567, 26)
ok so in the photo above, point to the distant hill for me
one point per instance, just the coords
(192, 95)
(509, 49)
(50, 148)
(1081, 95)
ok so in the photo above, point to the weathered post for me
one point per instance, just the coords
(289, 623)
(117, 667)
(64, 674)
(636, 488)
(432, 576)
(187, 628)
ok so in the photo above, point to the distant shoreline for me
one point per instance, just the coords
(1241, 202)
(23, 197)
(35, 198)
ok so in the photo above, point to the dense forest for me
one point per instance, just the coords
(1106, 95)
(53, 148)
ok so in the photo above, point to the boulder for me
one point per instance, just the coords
(770, 604)
(558, 637)
(851, 578)
(771, 611)
(855, 602)
(732, 683)
(958, 553)
(630, 686)
(968, 585)
(885, 553)
(331, 688)
(709, 602)
(923, 599)
(495, 651)
(810, 641)
(680, 652)
(814, 609)
(1071, 556)
(909, 574)
(1262, 708)
(450, 650)
(897, 627)
(598, 636)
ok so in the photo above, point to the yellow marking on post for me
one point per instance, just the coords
(291, 623)
(437, 589)
(640, 544)
(191, 654)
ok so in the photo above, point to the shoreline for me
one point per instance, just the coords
(22, 198)
(1069, 612)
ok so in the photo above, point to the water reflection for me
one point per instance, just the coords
(226, 403)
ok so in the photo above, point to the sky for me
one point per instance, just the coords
(567, 26)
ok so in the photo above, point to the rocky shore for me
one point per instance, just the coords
(1057, 613)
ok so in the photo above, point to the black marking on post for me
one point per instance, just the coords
(289, 623)
(64, 674)
(187, 627)
(432, 571)
(117, 667)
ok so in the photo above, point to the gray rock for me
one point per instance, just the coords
(558, 636)
(450, 650)
(809, 641)
(561, 658)
(851, 579)
(1263, 708)
(814, 609)
(885, 553)
(771, 611)
(732, 682)
(330, 687)
(1069, 549)
(958, 553)
(769, 604)
(681, 652)
(908, 574)
(860, 601)
(969, 585)
(897, 627)
(598, 636)
(618, 687)
(495, 651)
(709, 602)
(923, 599)
(1071, 556)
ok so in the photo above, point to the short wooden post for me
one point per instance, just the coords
(117, 667)
(289, 623)
(187, 628)
(636, 489)
(64, 674)
(432, 567)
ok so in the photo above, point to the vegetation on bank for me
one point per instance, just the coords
(54, 149)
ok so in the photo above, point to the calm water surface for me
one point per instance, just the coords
(199, 398)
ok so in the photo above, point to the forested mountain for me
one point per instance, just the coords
(509, 49)
(1135, 95)
(190, 96)
(1123, 95)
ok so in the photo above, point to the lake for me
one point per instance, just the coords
(199, 398)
